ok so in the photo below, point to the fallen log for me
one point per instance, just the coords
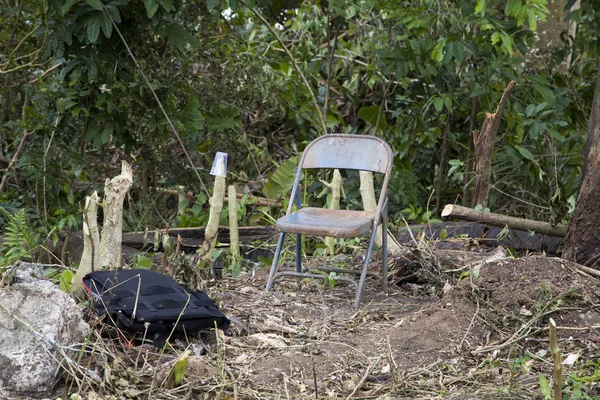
(464, 235)
(469, 214)
(192, 238)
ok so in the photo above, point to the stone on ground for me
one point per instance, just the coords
(41, 322)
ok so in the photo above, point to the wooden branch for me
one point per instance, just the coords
(45, 73)
(234, 232)
(590, 271)
(509, 88)
(469, 214)
(212, 226)
(337, 38)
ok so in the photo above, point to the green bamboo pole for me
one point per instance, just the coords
(234, 235)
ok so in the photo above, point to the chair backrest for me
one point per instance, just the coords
(358, 152)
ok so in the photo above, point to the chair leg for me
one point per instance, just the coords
(363, 275)
(298, 253)
(275, 261)
(384, 245)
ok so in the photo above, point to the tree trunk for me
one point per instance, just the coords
(484, 148)
(582, 243)
(550, 31)
(112, 228)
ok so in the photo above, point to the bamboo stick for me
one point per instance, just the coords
(557, 358)
(234, 236)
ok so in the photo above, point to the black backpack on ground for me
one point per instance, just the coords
(144, 301)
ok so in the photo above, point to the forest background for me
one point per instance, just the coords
(260, 79)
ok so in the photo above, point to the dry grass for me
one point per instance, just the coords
(305, 341)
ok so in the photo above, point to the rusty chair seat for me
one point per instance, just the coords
(337, 151)
(325, 222)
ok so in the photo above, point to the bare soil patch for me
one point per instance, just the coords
(409, 344)
(485, 337)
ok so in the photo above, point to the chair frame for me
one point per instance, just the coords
(380, 215)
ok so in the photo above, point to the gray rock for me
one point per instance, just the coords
(27, 272)
(38, 322)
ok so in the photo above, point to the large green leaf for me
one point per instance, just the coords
(192, 117)
(114, 13)
(106, 25)
(93, 29)
(369, 114)
(280, 181)
(177, 373)
(95, 4)
(180, 37)
(167, 5)
(67, 6)
(151, 7)
(480, 7)
(525, 153)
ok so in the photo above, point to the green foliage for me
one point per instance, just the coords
(280, 181)
(419, 216)
(61, 277)
(424, 72)
(141, 261)
(65, 278)
(545, 388)
(584, 383)
(196, 215)
(19, 238)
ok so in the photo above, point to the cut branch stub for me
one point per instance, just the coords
(115, 191)
(212, 227)
(90, 258)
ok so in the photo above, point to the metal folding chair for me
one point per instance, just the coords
(337, 151)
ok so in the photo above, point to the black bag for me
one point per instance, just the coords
(155, 298)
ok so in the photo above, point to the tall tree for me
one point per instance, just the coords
(582, 243)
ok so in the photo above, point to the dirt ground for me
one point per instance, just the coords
(483, 336)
